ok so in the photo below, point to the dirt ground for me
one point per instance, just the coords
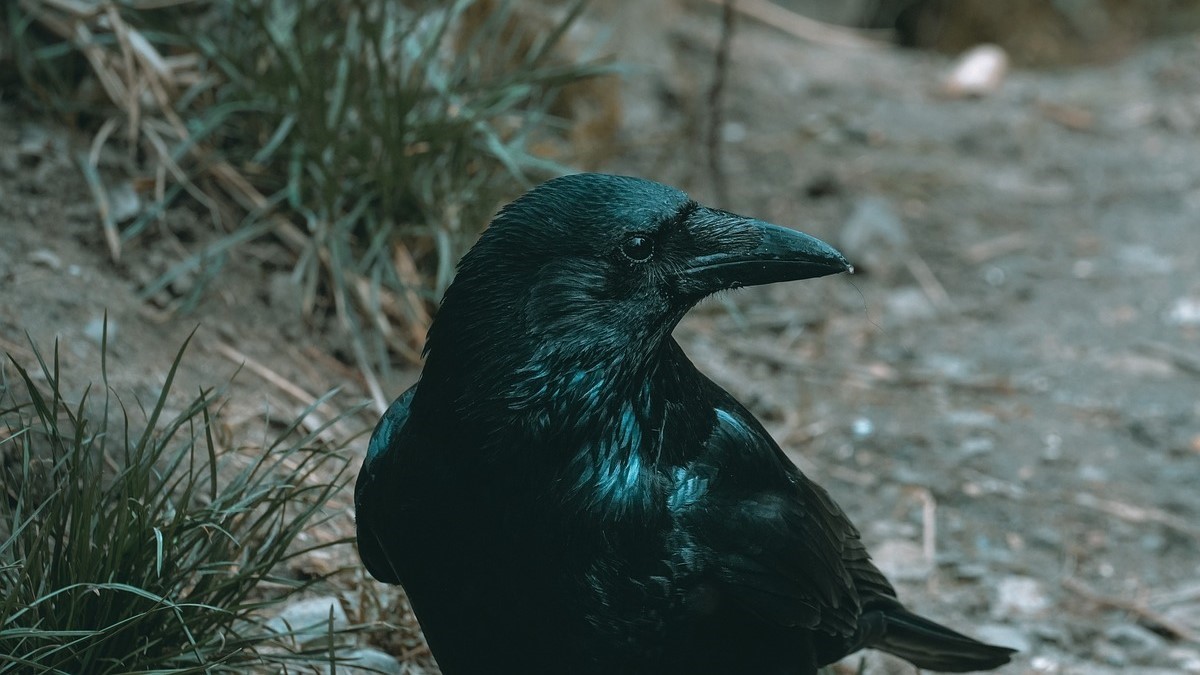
(1005, 399)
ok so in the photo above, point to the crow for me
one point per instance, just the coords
(563, 492)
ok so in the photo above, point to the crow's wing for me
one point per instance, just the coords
(779, 544)
(370, 506)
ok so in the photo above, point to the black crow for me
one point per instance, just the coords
(563, 492)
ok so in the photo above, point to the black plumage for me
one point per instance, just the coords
(564, 492)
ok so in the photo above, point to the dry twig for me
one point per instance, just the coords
(1185, 361)
(1137, 514)
(716, 115)
(803, 27)
(1154, 620)
(929, 283)
(312, 420)
(996, 247)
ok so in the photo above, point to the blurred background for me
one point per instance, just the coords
(1006, 396)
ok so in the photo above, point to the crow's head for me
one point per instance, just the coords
(594, 268)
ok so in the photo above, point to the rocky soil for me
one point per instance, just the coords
(1006, 399)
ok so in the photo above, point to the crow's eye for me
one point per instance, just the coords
(638, 248)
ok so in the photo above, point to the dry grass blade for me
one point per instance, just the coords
(100, 194)
(805, 28)
(1158, 622)
(323, 423)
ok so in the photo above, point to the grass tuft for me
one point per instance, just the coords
(373, 138)
(147, 545)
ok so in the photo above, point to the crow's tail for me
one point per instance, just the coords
(932, 646)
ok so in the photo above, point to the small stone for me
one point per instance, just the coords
(862, 427)
(733, 132)
(972, 419)
(1090, 473)
(366, 660)
(161, 299)
(1047, 536)
(947, 366)
(10, 163)
(311, 622)
(874, 236)
(1018, 596)
(1044, 664)
(46, 258)
(182, 284)
(95, 329)
(978, 72)
(1109, 653)
(977, 445)
(34, 142)
(970, 571)
(1184, 312)
(1153, 542)
(284, 292)
(1052, 450)
(1083, 269)
(124, 202)
(1141, 259)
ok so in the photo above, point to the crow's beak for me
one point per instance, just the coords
(748, 252)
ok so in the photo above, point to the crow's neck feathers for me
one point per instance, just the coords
(618, 464)
(597, 420)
